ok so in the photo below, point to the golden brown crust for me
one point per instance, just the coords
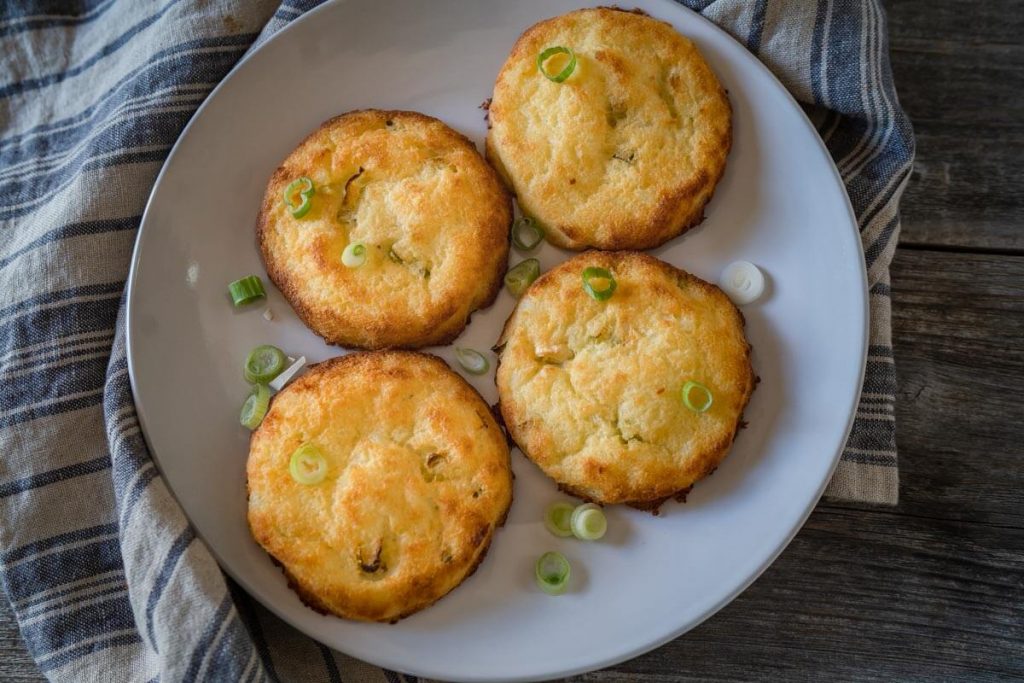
(625, 153)
(433, 215)
(590, 390)
(418, 480)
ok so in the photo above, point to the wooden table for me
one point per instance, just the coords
(933, 588)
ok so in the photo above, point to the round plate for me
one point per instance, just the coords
(780, 205)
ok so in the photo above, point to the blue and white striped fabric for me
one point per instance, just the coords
(105, 575)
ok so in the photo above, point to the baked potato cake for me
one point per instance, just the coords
(629, 392)
(423, 217)
(377, 480)
(625, 152)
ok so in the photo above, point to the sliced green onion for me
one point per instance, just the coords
(526, 234)
(264, 363)
(558, 519)
(552, 573)
(697, 397)
(299, 196)
(472, 361)
(303, 208)
(308, 465)
(599, 293)
(246, 290)
(255, 407)
(522, 276)
(588, 522)
(354, 255)
(551, 52)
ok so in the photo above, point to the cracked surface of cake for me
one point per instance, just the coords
(591, 390)
(430, 214)
(376, 481)
(626, 151)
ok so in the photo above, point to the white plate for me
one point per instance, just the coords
(780, 205)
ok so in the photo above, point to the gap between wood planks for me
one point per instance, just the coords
(957, 249)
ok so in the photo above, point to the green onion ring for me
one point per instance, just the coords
(526, 234)
(551, 52)
(354, 255)
(588, 522)
(519, 278)
(308, 466)
(264, 363)
(305, 189)
(557, 519)
(246, 290)
(255, 407)
(688, 402)
(472, 361)
(303, 208)
(552, 572)
(594, 273)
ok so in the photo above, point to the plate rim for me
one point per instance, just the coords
(765, 72)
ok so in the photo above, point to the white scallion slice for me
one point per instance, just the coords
(552, 572)
(278, 383)
(472, 361)
(588, 522)
(308, 466)
(557, 519)
(742, 281)
(354, 255)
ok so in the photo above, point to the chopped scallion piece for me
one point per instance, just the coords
(354, 255)
(519, 278)
(558, 519)
(277, 384)
(264, 364)
(742, 281)
(588, 522)
(697, 397)
(246, 290)
(472, 361)
(255, 407)
(526, 234)
(599, 283)
(566, 71)
(552, 572)
(299, 196)
(308, 466)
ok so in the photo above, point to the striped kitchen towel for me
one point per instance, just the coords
(104, 573)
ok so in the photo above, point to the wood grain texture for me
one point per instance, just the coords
(959, 70)
(959, 337)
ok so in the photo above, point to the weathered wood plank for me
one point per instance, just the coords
(959, 326)
(939, 21)
(965, 190)
(959, 71)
